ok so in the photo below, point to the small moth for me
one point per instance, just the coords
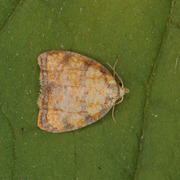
(75, 91)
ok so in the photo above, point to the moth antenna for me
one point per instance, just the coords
(121, 100)
(113, 113)
(116, 72)
(114, 67)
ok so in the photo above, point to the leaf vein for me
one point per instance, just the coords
(11, 15)
(148, 89)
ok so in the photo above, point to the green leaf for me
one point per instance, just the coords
(145, 141)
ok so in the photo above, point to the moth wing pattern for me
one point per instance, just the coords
(75, 91)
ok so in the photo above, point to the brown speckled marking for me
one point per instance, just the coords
(76, 91)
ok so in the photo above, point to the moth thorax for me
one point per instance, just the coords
(121, 91)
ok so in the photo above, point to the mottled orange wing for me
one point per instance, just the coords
(76, 91)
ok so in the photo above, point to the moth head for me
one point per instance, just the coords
(122, 91)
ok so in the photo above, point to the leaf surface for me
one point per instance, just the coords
(145, 141)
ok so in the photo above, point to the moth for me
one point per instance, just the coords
(76, 91)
